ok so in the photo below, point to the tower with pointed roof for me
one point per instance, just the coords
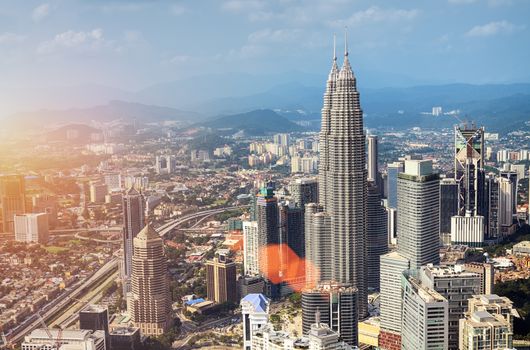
(342, 177)
(133, 221)
(148, 302)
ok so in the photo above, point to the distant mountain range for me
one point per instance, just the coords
(256, 122)
(115, 110)
(499, 107)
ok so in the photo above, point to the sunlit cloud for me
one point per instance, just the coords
(376, 14)
(493, 28)
(242, 5)
(40, 12)
(70, 39)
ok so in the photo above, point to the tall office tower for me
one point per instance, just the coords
(392, 171)
(268, 237)
(448, 203)
(292, 228)
(221, 281)
(69, 339)
(425, 316)
(373, 168)
(250, 248)
(482, 330)
(493, 230)
(133, 222)
(342, 177)
(418, 241)
(419, 213)
(94, 318)
(456, 285)
(304, 191)
(148, 303)
(255, 314)
(506, 189)
(32, 228)
(318, 245)
(376, 235)
(469, 169)
(337, 305)
(392, 266)
(12, 200)
(486, 271)
(512, 177)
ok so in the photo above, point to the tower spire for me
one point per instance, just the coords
(346, 41)
(334, 47)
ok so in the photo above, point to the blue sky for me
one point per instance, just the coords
(133, 44)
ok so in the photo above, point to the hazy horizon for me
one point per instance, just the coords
(128, 46)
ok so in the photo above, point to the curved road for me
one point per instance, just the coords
(60, 303)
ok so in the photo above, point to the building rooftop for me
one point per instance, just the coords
(427, 294)
(91, 308)
(448, 270)
(258, 301)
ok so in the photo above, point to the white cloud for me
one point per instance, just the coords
(493, 28)
(376, 14)
(40, 12)
(274, 35)
(11, 38)
(88, 40)
(242, 5)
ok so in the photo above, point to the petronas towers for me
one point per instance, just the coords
(342, 179)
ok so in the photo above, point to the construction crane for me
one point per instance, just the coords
(56, 341)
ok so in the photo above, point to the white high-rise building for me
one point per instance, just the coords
(31, 228)
(250, 248)
(255, 314)
(418, 213)
(424, 323)
(456, 285)
(392, 266)
(68, 339)
(482, 330)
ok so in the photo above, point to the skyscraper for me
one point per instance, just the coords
(392, 170)
(292, 228)
(133, 221)
(425, 316)
(418, 213)
(148, 302)
(337, 305)
(376, 235)
(342, 177)
(268, 238)
(255, 314)
(32, 228)
(418, 242)
(221, 281)
(94, 318)
(448, 203)
(457, 286)
(469, 169)
(318, 237)
(250, 248)
(12, 200)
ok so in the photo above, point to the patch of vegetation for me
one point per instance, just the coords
(56, 250)
(518, 291)
(522, 234)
